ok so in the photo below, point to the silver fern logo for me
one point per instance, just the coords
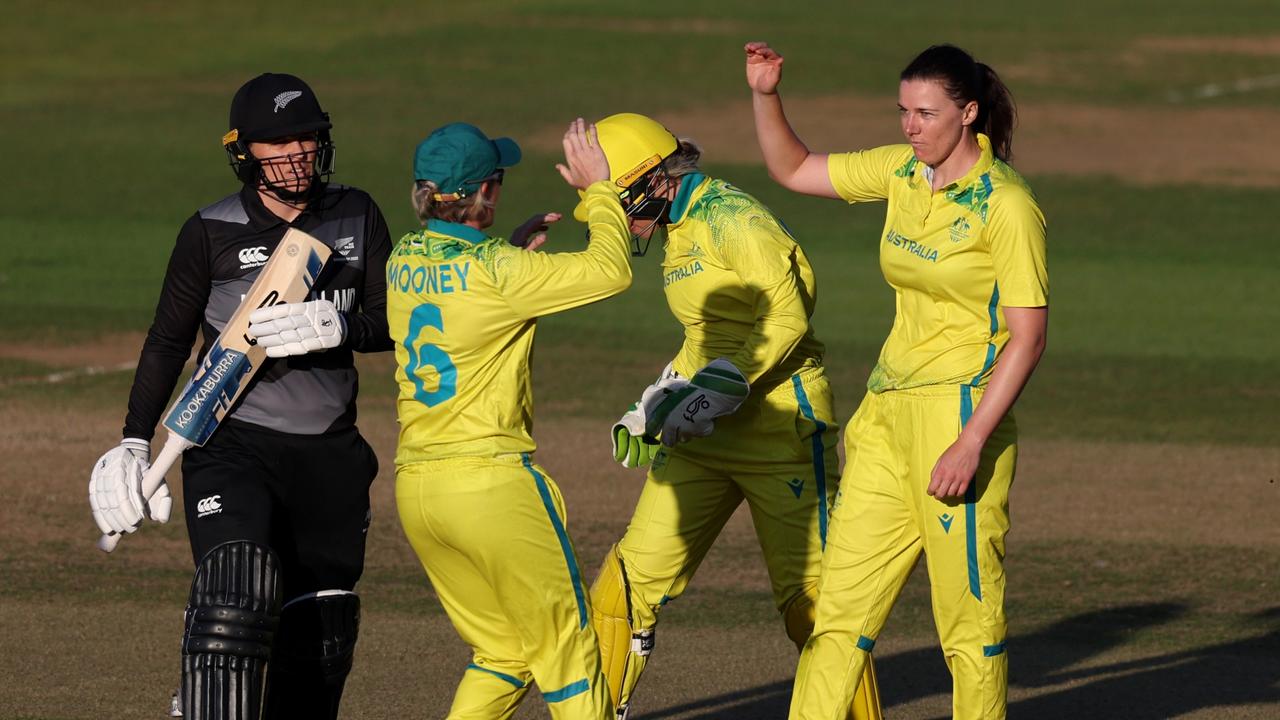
(285, 98)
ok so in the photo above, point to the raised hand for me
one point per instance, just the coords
(532, 233)
(584, 160)
(764, 68)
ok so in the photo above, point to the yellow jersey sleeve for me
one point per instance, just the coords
(1016, 233)
(762, 254)
(865, 175)
(537, 283)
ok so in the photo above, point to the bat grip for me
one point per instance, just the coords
(173, 449)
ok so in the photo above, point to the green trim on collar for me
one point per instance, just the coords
(456, 230)
(680, 205)
(986, 158)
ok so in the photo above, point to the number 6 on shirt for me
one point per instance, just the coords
(425, 355)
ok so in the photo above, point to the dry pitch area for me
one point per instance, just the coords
(1135, 591)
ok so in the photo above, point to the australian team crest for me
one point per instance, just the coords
(960, 230)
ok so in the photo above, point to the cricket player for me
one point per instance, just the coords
(487, 522)
(930, 452)
(277, 502)
(744, 411)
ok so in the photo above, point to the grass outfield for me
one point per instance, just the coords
(1143, 557)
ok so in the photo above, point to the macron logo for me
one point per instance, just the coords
(285, 98)
(209, 506)
(945, 520)
(251, 257)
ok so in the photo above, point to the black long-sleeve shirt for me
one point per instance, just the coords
(218, 254)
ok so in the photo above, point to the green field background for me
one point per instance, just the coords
(1164, 307)
(1165, 320)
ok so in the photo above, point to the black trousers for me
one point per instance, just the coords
(304, 496)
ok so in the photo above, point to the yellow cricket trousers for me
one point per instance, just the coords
(779, 454)
(882, 520)
(491, 534)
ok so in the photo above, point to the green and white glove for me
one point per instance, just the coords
(630, 446)
(690, 411)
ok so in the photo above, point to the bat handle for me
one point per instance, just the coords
(173, 449)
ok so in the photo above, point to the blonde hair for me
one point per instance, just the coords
(474, 207)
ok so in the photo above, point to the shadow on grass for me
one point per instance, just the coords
(1242, 672)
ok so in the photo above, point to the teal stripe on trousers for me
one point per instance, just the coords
(565, 547)
(970, 500)
(819, 458)
(495, 673)
(567, 691)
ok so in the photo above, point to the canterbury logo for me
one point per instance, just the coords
(695, 406)
(285, 98)
(209, 506)
(253, 256)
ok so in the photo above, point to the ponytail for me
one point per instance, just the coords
(997, 115)
(966, 80)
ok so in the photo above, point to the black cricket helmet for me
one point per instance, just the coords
(272, 106)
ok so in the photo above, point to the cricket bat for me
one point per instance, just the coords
(233, 359)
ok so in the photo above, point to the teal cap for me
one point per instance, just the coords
(459, 157)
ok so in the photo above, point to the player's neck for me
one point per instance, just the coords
(281, 209)
(958, 163)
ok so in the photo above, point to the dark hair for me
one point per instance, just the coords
(965, 80)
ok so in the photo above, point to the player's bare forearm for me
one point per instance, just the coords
(1027, 337)
(784, 152)
(788, 159)
(954, 470)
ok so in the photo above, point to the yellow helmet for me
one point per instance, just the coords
(634, 145)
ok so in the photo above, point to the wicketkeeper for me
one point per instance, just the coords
(277, 502)
(743, 412)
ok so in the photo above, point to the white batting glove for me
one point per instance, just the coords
(630, 446)
(689, 412)
(115, 489)
(298, 328)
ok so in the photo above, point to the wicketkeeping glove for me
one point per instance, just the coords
(115, 489)
(630, 446)
(298, 328)
(690, 411)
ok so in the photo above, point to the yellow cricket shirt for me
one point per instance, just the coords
(462, 309)
(954, 258)
(739, 283)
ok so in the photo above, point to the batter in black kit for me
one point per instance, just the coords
(277, 502)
